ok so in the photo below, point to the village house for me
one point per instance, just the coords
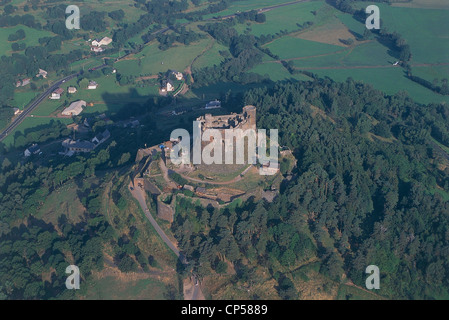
(100, 138)
(92, 85)
(56, 94)
(34, 149)
(96, 49)
(167, 86)
(178, 75)
(23, 82)
(103, 42)
(42, 73)
(71, 89)
(77, 146)
(16, 111)
(74, 109)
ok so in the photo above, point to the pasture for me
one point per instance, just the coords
(284, 18)
(289, 47)
(388, 80)
(277, 72)
(151, 60)
(32, 37)
(28, 124)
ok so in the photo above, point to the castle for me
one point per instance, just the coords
(245, 120)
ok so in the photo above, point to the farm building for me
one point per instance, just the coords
(167, 86)
(75, 108)
(178, 75)
(23, 82)
(42, 73)
(56, 94)
(92, 85)
(77, 146)
(103, 42)
(71, 89)
(96, 49)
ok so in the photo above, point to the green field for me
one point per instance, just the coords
(290, 47)
(30, 123)
(277, 72)
(110, 288)
(245, 5)
(284, 18)
(32, 37)
(389, 80)
(425, 30)
(431, 73)
(151, 60)
(210, 57)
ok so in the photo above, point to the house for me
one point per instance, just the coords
(178, 75)
(71, 89)
(213, 105)
(16, 111)
(167, 86)
(189, 187)
(25, 82)
(42, 73)
(57, 94)
(34, 149)
(96, 43)
(100, 138)
(92, 85)
(96, 49)
(77, 146)
(75, 108)
(18, 83)
(105, 41)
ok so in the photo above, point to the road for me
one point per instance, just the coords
(18, 120)
(138, 194)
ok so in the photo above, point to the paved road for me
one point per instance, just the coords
(18, 120)
(138, 194)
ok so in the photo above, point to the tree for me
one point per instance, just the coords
(222, 267)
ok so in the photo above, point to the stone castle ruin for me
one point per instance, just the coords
(245, 120)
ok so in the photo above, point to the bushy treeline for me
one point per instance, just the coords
(244, 56)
